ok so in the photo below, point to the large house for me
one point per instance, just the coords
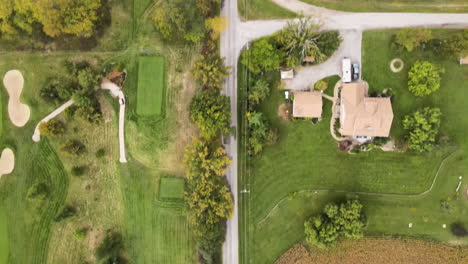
(363, 117)
(307, 104)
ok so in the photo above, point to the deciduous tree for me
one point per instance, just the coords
(424, 78)
(343, 220)
(209, 70)
(423, 127)
(211, 112)
(262, 57)
(411, 38)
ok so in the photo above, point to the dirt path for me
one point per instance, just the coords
(37, 134)
(19, 113)
(7, 161)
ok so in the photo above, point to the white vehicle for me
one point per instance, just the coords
(346, 67)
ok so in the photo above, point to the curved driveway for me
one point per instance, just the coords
(238, 34)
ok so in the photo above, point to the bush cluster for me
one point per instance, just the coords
(80, 84)
(336, 221)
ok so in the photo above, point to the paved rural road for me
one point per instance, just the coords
(238, 34)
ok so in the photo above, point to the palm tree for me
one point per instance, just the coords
(299, 40)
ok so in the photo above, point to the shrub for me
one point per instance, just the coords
(328, 42)
(100, 153)
(67, 212)
(424, 78)
(79, 170)
(456, 45)
(260, 133)
(411, 38)
(459, 230)
(321, 85)
(81, 233)
(343, 220)
(423, 127)
(258, 92)
(73, 147)
(111, 249)
(38, 192)
(51, 128)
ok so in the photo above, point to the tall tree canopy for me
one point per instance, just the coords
(208, 197)
(411, 38)
(211, 112)
(177, 19)
(423, 127)
(209, 70)
(302, 40)
(262, 56)
(424, 78)
(343, 220)
(57, 17)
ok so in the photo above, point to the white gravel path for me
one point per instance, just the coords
(37, 134)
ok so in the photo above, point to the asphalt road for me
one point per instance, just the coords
(238, 34)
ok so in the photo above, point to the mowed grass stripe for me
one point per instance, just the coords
(150, 86)
(4, 246)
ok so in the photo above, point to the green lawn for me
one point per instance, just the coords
(437, 6)
(171, 188)
(158, 231)
(306, 158)
(150, 86)
(4, 243)
(262, 9)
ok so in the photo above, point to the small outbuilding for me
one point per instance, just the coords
(287, 74)
(464, 60)
(307, 104)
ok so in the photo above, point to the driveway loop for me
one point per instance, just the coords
(394, 68)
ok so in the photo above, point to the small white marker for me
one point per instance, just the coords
(410, 225)
(444, 226)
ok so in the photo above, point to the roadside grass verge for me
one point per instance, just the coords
(263, 9)
(306, 158)
(420, 6)
(150, 86)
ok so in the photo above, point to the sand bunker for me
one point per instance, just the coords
(19, 113)
(7, 162)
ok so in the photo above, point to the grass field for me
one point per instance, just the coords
(437, 6)
(4, 243)
(306, 158)
(157, 230)
(262, 9)
(150, 99)
(108, 196)
(171, 188)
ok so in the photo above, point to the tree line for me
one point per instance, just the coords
(54, 18)
(208, 197)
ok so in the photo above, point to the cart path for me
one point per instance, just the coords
(37, 134)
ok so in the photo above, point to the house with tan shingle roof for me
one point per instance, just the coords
(307, 104)
(362, 116)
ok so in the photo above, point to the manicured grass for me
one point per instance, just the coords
(262, 9)
(437, 6)
(150, 86)
(306, 158)
(171, 188)
(158, 231)
(4, 243)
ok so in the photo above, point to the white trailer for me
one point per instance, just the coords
(346, 68)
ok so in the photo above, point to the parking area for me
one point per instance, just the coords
(349, 48)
